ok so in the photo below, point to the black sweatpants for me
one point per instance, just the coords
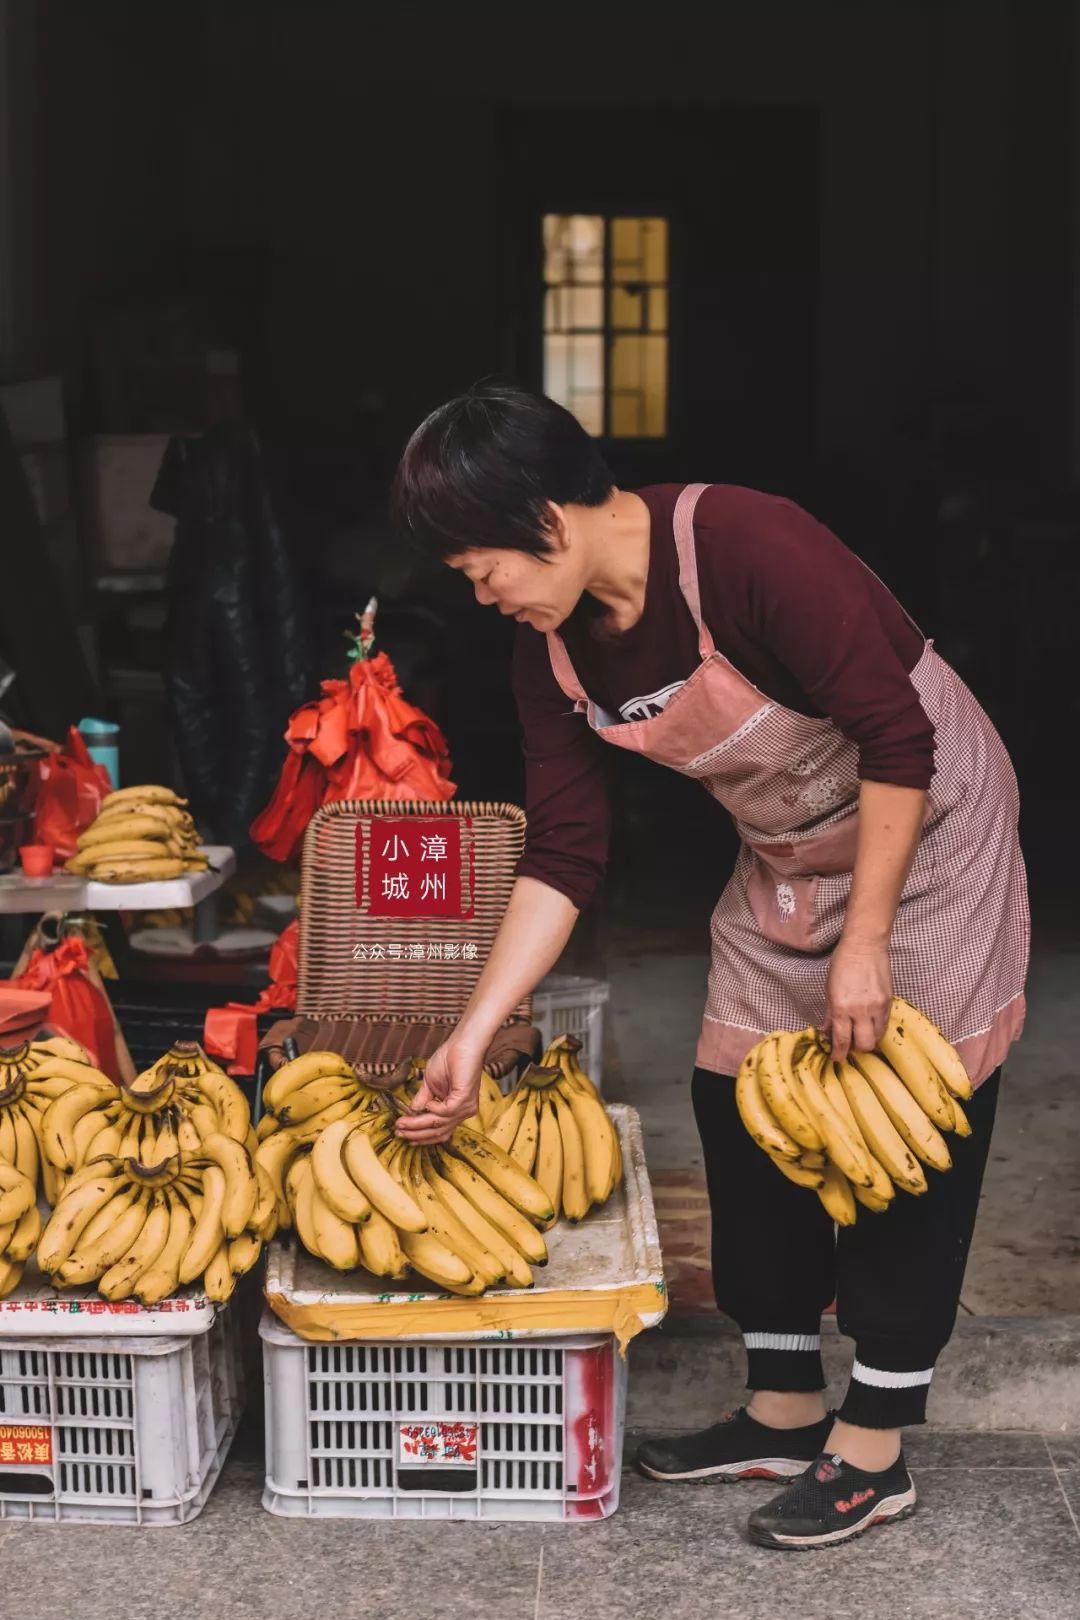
(778, 1262)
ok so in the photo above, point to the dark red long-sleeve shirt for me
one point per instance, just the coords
(787, 603)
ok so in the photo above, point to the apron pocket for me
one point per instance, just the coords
(783, 906)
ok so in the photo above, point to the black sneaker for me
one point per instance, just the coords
(738, 1447)
(833, 1501)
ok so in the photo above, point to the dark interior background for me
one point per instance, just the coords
(874, 214)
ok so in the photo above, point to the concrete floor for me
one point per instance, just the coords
(995, 1536)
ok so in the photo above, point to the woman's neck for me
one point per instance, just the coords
(617, 539)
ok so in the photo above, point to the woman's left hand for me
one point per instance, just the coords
(859, 997)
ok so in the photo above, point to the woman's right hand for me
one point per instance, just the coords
(448, 1094)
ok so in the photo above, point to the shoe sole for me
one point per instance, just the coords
(886, 1512)
(752, 1468)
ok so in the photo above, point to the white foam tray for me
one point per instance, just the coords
(36, 1310)
(617, 1246)
(63, 891)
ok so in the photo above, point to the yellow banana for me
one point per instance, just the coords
(54, 1069)
(837, 1196)
(76, 1209)
(377, 1185)
(515, 1270)
(9, 1149)
(229, 1102)
(108, 1236)
(380, 1248)
(497, 1210)
(938, 1051)
(304, 1103)
(61, 1046)
(491, 1100)
(549, 1156)
(882, 1190)
(336, 1185)
(523, 1148)
(917, 1131)
(908, 1060)
(598, 1142)
(575, 1192)
(429, 1255)
(264, 1215)
(300, 1184)
(275, 1155)
(505, 1129)
(17, 1194)
(163, 1277)
(58, 1124)
(244, 1252)
(10, 1276)
(878, 1131)
(961, 1123)
(782, 1093)
(103, 833)
(505, 1176)
(219, 1279)
(308, 1066)
(120, 1279)
(800, 1174)
(27, 1155)
(845, 1147)
(208, 1232)
(480, 1260)
(20, 1245)
(152, 792)
(336, 1238)
(137, 869)
(241, 1188)
(755, 1115)
(871, 1200)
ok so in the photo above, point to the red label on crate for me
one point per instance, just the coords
(444, 1443)
(22, 1443)
(414, 867)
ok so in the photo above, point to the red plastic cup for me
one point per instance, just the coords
(37, 859)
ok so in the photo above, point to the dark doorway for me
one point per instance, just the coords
(739, 189)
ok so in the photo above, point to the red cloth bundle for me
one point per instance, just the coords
(80, 1008)
(360, 740)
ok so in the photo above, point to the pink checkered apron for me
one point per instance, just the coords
(790, 782)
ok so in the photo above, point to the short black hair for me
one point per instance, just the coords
(481, 469)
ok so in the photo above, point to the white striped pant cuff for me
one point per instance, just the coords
(883, 1379)
(782, 1341)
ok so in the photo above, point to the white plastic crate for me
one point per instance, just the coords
(442, 1429)
(564, 1004)
(119, 1430)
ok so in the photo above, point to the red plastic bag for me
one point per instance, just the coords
(232, 1032)
(360, 740)
(79, 1007)
(71, 787)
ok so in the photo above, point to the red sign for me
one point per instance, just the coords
(414, 867)
(22, 1443)
(449, 1444)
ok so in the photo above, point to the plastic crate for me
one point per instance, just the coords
(117, 1430)
(375, 1429)
(564, 1004)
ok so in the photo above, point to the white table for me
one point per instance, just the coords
(63, 891)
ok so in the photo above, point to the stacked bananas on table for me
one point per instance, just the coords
(31, 1076)
(464, 1214)
(555, 1126)
(856, 1131)
(152, 1182)
(142, 834)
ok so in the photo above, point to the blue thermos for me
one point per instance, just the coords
(102, 741)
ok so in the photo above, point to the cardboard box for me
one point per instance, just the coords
(118, 473)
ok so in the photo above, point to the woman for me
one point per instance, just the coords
(727, 635)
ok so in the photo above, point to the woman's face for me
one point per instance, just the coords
(533, 590)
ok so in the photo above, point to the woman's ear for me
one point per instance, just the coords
(558, 527)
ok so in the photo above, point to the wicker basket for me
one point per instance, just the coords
(380, 988)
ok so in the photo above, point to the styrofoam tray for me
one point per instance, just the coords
(615, 1248)
(65, 892)
(37, 1310)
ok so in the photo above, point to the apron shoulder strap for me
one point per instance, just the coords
(685, 507)
(563, 669)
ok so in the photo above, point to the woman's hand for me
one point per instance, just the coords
(449, 1093)
(859, 997)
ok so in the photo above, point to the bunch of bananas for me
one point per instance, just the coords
(465, 1215)
(141, 834)
(144, 1231)
(856, 1131)
(554, 1125)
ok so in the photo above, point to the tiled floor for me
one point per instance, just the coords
(995, 1537)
